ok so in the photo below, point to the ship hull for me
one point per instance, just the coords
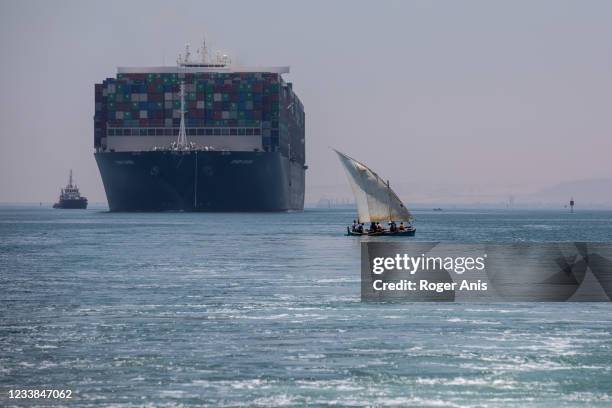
(71, 204)
(201, 181)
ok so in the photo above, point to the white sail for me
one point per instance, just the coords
(375, 200)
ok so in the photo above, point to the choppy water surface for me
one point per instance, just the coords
(263, 310)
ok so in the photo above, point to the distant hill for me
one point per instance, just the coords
(591, 193)
(585, 192)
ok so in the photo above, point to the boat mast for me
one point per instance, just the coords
(70, 178)
(182, 136)
(181, 140)
(389, 199)
(203, 51)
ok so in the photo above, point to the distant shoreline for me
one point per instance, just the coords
(417, 207)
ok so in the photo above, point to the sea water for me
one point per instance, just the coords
(181, 309)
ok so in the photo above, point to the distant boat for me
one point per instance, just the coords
(437, 209)
(376, 201)
(70, 197)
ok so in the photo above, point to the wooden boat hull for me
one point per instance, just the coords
(408, 232)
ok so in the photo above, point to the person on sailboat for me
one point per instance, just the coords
(392, 227)
(401, 226)
(354, 227)
(373, 227)
(360, 228)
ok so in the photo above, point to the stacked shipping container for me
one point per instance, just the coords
(250, 103)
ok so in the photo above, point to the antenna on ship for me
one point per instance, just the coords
(187, 53)
(572, 204)
(70, 178)
(203, 51)
(184, 59)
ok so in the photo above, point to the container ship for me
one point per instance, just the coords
(204, 135)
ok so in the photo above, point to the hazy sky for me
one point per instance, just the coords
(515, 93)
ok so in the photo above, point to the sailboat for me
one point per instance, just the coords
(376, 201)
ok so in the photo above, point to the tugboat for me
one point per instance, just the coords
(70, 198)
(376, 203)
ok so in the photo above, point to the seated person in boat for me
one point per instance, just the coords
(360, 228)
(392, 227)
(373, 227)
(354, 227)
(379, 227)
(401, 226)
